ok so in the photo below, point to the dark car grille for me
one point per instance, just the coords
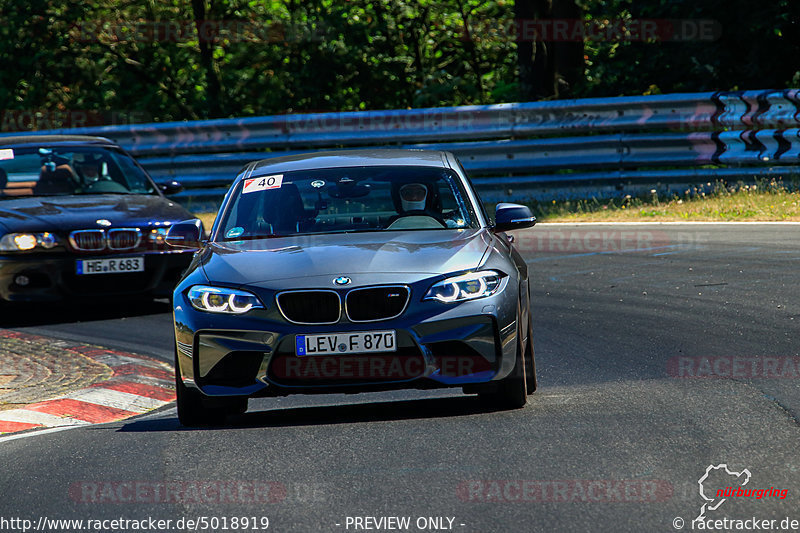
(376, 303)
(95, 240)
(310, 307)
(90, 240)
(123, 239)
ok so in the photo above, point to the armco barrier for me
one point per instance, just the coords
(536, 150)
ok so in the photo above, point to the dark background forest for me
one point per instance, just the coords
(196, 59)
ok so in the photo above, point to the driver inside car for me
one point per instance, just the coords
(89, 169)
(414, 210)
(419, 207)
(413, 202)
(413, 196)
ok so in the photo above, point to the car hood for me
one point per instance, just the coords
(374, 257)
(51, 213)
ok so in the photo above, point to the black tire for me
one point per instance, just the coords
(511, 392)
(530, 362)
(196, 410)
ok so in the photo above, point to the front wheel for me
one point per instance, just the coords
(195, 410)
(512, 390)
(530, 362)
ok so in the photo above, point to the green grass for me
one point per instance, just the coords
(765, 201)
(207, 218)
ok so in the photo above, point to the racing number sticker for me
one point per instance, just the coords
(263, 183)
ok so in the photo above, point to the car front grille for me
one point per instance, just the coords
(370, 304)
(124, 238)
(89, 240)
(310, 307)
(95, 240)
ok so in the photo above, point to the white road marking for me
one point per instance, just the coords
(145, 380)
(35, 433)
(34, 417)
(116, 399)
(113, 360)
(166, 413)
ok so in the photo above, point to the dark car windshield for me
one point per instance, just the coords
(59, 171)
(346, 200)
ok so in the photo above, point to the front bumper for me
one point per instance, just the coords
(438, 345)
(53, 277)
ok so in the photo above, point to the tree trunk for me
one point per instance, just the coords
(206, 42)
(546, 69)
(569, 62)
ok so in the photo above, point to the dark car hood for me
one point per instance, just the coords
(374, 257)
(51, 213)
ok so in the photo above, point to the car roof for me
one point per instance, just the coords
(351, 158)
(21, 140)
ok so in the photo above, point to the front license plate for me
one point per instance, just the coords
(118, 265)
(343, 343)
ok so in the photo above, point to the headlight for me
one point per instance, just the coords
(22, 242)
(222, 300)
(158, 236)
(465, 287)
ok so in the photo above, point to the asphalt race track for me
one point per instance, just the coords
(661, 350)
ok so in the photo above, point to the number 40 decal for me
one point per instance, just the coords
(262, 183)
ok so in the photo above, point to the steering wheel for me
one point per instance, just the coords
(419, 213)
(103, 185)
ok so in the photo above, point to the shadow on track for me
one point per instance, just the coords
(333, 414)
(43, 314)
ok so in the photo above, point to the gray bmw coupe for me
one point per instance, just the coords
(351, 271)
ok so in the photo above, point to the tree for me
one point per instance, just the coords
(549, 66)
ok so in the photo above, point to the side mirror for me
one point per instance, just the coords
(170, 187)
(186, 234)
(509, 217)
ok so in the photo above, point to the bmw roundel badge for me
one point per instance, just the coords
(342, 280)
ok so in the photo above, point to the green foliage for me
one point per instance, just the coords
(261, 57)
(758, 47)
(265, 57)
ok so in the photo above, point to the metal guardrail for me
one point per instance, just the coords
(566, 143)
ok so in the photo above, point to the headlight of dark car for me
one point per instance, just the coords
(23, 242)
(223, 300)
(470, 286)
(158, 235)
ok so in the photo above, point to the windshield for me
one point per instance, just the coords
(338, 200)
(60, 171)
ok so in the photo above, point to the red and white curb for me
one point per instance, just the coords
(138, 384)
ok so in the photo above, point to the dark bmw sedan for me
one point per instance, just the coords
(79, 217)
(348, 272)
